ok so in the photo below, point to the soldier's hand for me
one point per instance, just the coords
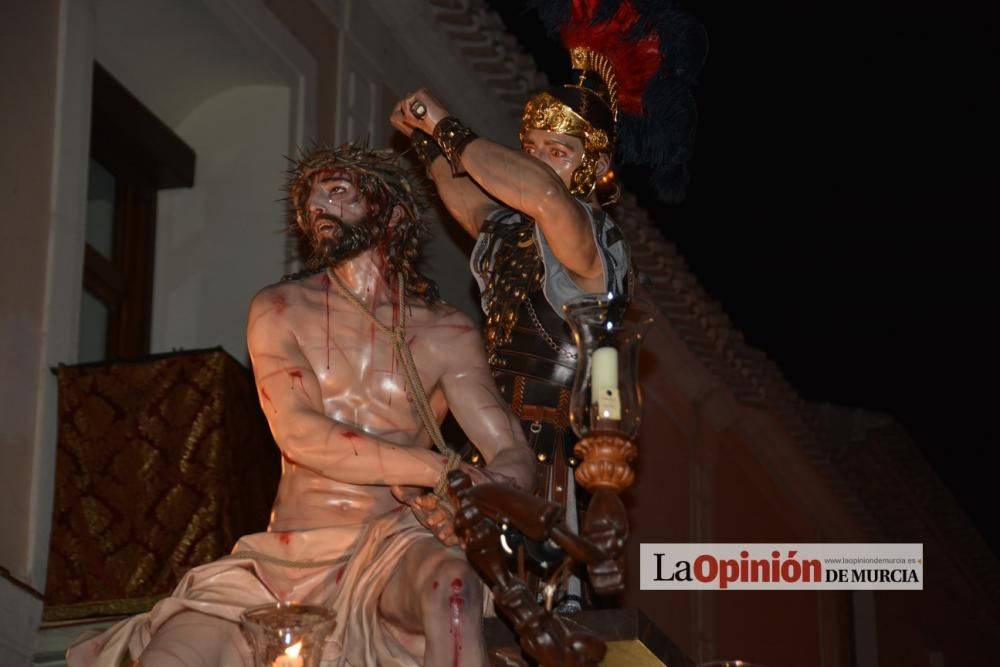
(420, 111)
(398, 121)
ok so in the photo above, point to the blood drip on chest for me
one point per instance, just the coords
(351, 436)
(325, 281)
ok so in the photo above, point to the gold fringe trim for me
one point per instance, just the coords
(125, 607)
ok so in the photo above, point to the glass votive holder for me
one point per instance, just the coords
(286, 634)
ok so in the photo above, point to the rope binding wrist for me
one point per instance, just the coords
(397, 334)
(441, 488)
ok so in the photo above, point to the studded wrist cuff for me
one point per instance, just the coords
(453, 137)
(425, 148)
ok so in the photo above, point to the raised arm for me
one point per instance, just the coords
(465, 200)
(291, 399)
(527, 185)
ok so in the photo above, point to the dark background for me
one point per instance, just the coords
(841, 208)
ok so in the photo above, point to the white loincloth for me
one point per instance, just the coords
(364, 557)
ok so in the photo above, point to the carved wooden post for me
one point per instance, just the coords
(605, 471)
(540, 634)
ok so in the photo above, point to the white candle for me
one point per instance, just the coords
(604, 383)
(291, 657)
(604, 373)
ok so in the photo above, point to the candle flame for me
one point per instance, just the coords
(293, 650)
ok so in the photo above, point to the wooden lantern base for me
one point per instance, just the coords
(605, 462)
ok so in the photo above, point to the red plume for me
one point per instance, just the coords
(634, 61)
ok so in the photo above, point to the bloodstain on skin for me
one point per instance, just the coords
(279, 302)
(285, 538)
(435, 586)
(263, 393)
(394, 298)
(297, 375)
(376, 298)
(352, 436)
(325, 282)
(456, 601)
(340, 573)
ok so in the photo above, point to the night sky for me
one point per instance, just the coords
(840, 208)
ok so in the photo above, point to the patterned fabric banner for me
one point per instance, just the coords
(162, 464)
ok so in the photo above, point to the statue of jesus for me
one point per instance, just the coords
(356, 363)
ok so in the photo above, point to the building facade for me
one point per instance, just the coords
(729, 452)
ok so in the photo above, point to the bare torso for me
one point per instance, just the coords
(360, 383)
(352, 444)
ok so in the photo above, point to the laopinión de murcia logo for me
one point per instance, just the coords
(814, 566)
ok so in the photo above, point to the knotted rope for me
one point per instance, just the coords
(397, 335)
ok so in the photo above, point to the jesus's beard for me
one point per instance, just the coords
(345, 242)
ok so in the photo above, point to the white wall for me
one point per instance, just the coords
(49, 93)
(29, 92)
(45, 146)
(198, 67)
(389, 48)
(220, 241)
(398, 45)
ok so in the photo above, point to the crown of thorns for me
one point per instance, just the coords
(378, 168)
